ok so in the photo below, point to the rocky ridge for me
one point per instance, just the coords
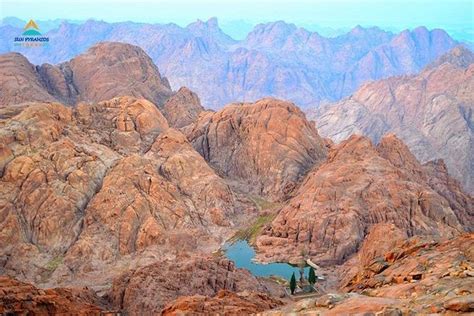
(431, 112)
(96, 75)
(276, 59)
(358, 186)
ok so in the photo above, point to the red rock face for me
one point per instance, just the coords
(268, 146)
(146, 290)
(20, 82)
(183, 108)
(20, 298)
(127, 125)
(107, 70)
(359, 186)
(83, 188)
(425, 269)
(99, 74)
(225, 302)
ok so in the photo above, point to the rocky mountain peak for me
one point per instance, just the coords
(104, 71)
(183, 108)
(358, 186)
(210, 32)
(459, 56)
(272, 34)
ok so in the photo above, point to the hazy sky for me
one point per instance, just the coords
(448, 14)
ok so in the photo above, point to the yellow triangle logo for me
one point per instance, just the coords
(31, 25)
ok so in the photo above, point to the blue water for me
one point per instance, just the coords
(242, 254)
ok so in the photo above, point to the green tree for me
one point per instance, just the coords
(312, 276)
(293, 283)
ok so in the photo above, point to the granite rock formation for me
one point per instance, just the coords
(83, 188)
(105, 71)
(148, 289)
(361, 185)
(19, 298)
(268, 145)
(183, 108)
(20, 82)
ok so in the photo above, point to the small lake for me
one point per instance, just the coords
(243, 254)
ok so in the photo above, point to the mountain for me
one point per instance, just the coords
(431, 112)
(246, 142)
(20, 81)
(101, 181)
(106, 70)
(358, 186)
(123, 204)
(275, 59)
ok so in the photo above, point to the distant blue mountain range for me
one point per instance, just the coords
(274, 59)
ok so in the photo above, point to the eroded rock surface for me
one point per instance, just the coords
(20, 82)
(183, 108)
(83, 189)
(19, 298)
(106, 70)
(268, 146)
(148, 289)
(361, 185)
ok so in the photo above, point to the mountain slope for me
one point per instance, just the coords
(88, 187)
(105, 71)
(431, 112)
(360, 185)
(267, 146)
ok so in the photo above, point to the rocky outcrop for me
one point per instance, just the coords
(183, 108)
(83, 189)
(109, 69)
(268, 146)
(360, 185)
(223, 303)
(20, 82)
(419, 258)
(148, 289)
(430, 112)
(437, 275)
(46, 185)
(418, 275)
(19, 298)
(126, 124)
(105, 71)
